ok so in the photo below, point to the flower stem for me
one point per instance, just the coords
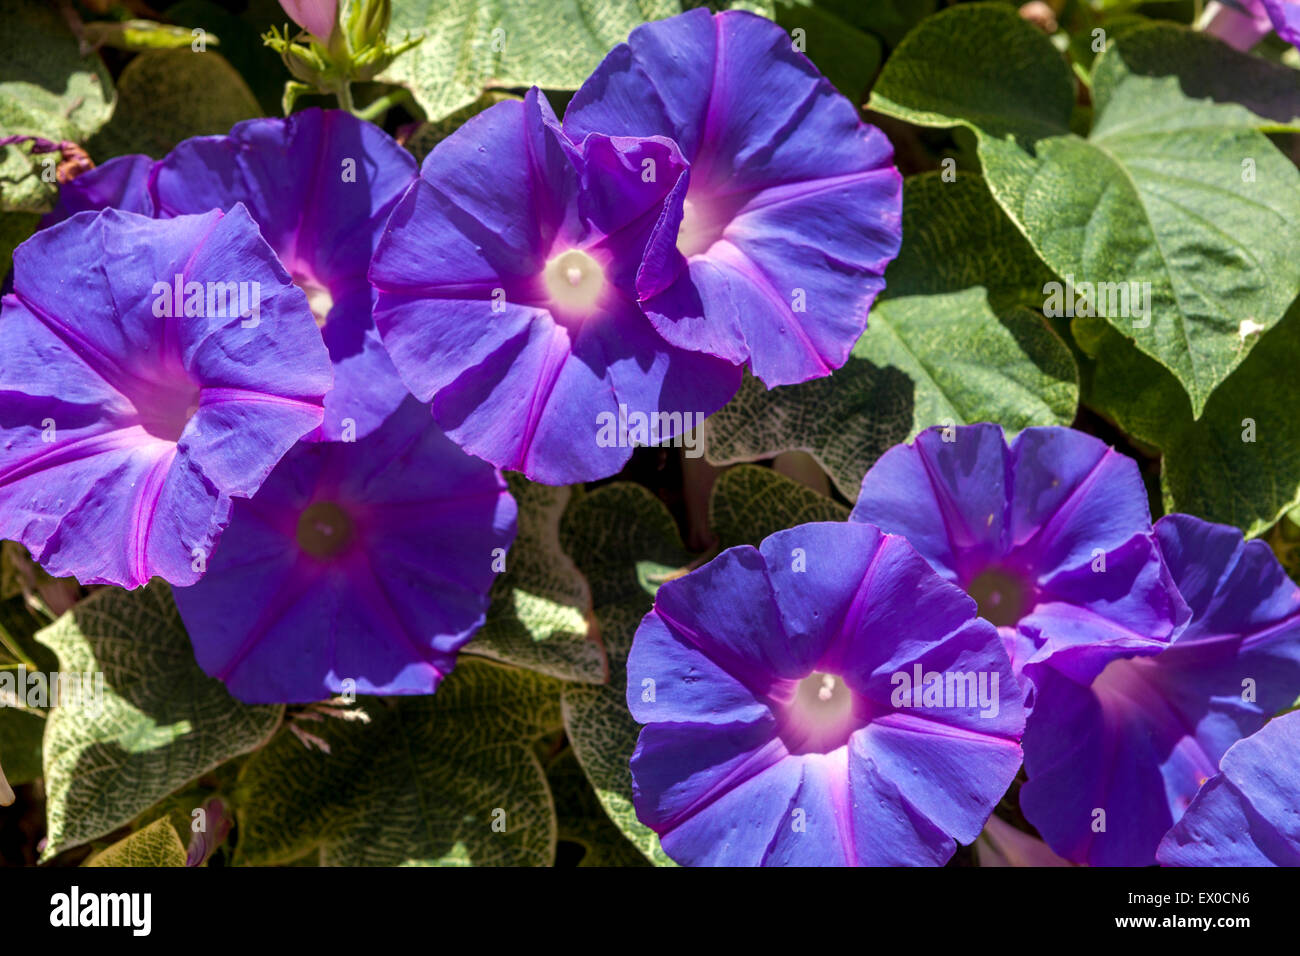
(344, 93)
(12, 647)
(382, 105)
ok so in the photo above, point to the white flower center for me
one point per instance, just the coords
(318, 298)
(702, 225)
(820, 716)
(574, 281)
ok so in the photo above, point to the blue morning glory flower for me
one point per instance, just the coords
(823, 699)
(320, 185)
(507, 281)
(793, 207)
(1243, 23)
(365, 561)
(1248, 814)
(1050, 534)
(1285, 17)
(152, 370)
(121, 183)
(1116, 749)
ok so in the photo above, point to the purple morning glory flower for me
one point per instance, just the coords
(367, 561)
(151, 369)
(794, 205)
(1285, 17)
(1051, 535)
(1248, 814)
(824, 699)
(121, 183)
(1125, 743)
(320, 185)
(507, 296)
(1244, 23)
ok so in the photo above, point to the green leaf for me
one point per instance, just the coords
(179, 807)
(848, 57)
(583, 821)
(159, 723)
(165, 96)
(764, 8)
(475, 45)
(612, 533)
(845, 421)
(137, 35)
(1174, 186)
(10, 577)
(156, 845)
(750, 503)
(21, 731)
(1208, 469)
(241, 42)
(951, 340)
(420, 784)
(1199, 66)
(888, 19)
(972, 364)
(15, 229)
(540, 616)
(48, 88)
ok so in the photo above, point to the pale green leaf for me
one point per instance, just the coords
(540, 616)
(159, 723)
(1191, 64)
(421, 784)
(471, 46)
(611, 533)
(474, 45)
(582, 820)
(49, 89)
(155, 845)
(137, 35)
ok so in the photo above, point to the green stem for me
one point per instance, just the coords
(12, 647)
(383, 104)
(344, 93)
